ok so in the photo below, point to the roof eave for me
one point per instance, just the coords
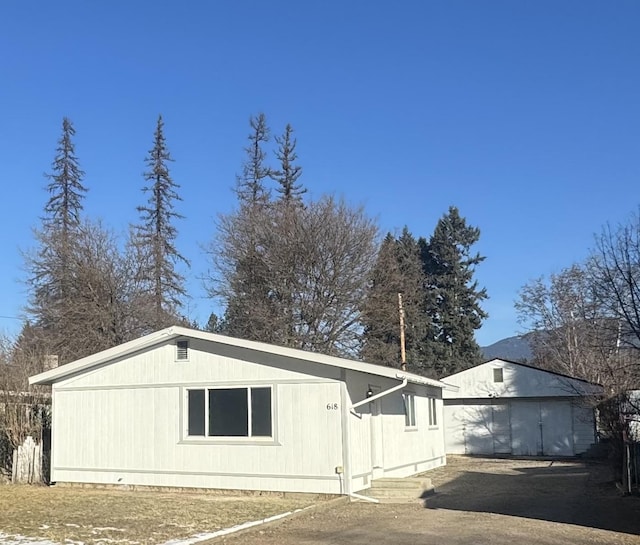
(78, 366)
(51, 376)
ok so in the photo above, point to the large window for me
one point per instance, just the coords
(409, 409)
(229, 412)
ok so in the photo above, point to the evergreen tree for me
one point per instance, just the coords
(50, 266)
(65, 187)
(398, 270)
(62, 213)
(156, 236)
(452, 297)
(250, 184)
(287, 176)
(252, 303)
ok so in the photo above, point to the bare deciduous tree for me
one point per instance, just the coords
(23, 411)
(575, 333)
(103, 305)
(314, 263)
(579, 332)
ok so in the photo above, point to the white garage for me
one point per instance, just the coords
(508, 408)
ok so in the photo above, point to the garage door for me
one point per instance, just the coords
(487, 429)
(541, 428)
(557, 431)
(526, 439)
(454, 423)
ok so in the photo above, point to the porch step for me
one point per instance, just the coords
(409, 482)
(399, 490)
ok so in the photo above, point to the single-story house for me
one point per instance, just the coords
(186, 408)
(505, 407)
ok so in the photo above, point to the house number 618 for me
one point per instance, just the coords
(332, 406)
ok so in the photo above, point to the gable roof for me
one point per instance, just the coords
(562, 375)
(477, 382)
(177, 332)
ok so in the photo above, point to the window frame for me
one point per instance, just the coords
(227, 439)
(409, 404)
(432, 404)
(498, 372)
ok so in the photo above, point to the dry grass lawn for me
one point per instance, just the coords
(100, 516)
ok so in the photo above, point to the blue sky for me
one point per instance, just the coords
(525, 115)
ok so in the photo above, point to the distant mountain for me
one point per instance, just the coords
(512, 348)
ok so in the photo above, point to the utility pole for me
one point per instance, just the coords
(403, 353)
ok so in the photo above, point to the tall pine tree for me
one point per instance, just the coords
(156, 237)
(452, 297)
(288, 174)
(79, 280)
(250, 306)
(66, 191)
(250, 185)
(50, 266)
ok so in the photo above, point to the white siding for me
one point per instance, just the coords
(583, 428)
(405, 451)
(522, 427)
(477, 428)
(227, 364)
(454, 425)
(518, 381)
(124, 424)
(525, 428)
(557, 428)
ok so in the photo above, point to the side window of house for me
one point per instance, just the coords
(409, 409)
(498, 375)
(433, 415)
(229, 412)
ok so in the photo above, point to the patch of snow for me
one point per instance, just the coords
(17, 539)
(108, 540)
(108, 528)
(225, 531)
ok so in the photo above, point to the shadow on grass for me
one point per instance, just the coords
(571, 494)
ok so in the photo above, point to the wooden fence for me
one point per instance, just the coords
(25, 438)
(27, 463)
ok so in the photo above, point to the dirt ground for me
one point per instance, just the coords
(477, 501)
(93, 516)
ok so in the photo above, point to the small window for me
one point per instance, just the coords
(497, 375)
(409, 409)
(182, 350)
(196, 412)
(433, 415)
(229, 412)
(261, 412)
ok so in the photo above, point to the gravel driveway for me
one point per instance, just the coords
(478, 501)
